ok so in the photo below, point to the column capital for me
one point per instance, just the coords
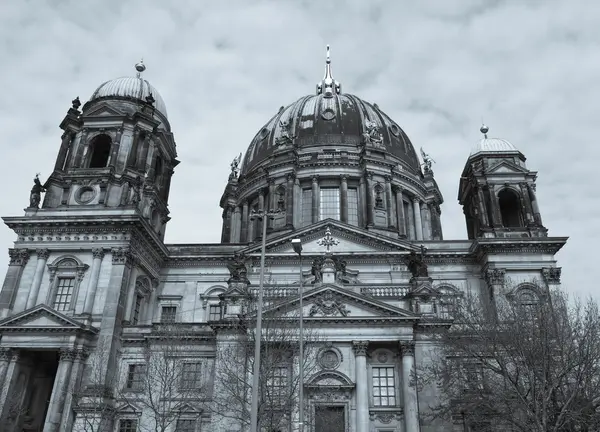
(42, 254)
(388, 178)
(397, 188)
(315, 179)
(369, 175)
(416, 200)
(495, 276)
(68, 354)
(270, 181)
(344, 177)
(290, 176)
(98, 253)
(18, 256)
(6, 354)
(81, 354)
(407, 348)
(551, 274)
(360, 347)
(121, 256)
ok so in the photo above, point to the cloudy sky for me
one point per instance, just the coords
(529, 69)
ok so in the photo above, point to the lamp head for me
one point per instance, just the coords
(297, 245)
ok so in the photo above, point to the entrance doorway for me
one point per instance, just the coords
(330, 418)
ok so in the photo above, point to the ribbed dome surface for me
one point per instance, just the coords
(130, 87)
(329, 121)
(493, 145)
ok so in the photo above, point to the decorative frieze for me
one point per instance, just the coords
(551, 275)
(18, 256)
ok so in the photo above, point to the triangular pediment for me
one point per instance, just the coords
(128, 408)
(350, 239)
(332, 301)
(103, 110)
(506, 167)
(43, 318)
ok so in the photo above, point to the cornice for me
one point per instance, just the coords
(550, 245)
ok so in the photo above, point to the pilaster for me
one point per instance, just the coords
(18, 260)
(42, 258)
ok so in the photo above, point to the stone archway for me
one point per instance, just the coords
(329, 395)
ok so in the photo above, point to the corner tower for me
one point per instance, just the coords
(118, 153)
(497, 192)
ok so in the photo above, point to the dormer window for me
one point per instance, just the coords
(100, 148)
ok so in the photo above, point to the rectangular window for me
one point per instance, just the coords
(330, 204)
(191, 378)
(127, 425)
(137, 308)
(214, 312)
(135, 376)
(168, 314)
(185, 425)
(64, 293)
(306, 207)
(384, 386)
(277, 384)
(353, 207)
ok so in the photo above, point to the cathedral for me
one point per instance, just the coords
(331, 238)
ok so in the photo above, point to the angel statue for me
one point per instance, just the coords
(427, 160)
(36, 192)
(235, 167)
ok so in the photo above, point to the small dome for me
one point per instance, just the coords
(130, 88)
(493, 145)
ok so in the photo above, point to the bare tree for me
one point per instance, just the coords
(167, 379)
(279, 372)
(530, 362)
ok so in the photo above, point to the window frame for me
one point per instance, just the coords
(168, 317)
(194, 423)
(198, 375)
(334, 205)
(65, 267)
(132, 375)
(133, 428)
(379, 367)
(91, 149)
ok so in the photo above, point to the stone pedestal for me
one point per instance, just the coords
(328, 271)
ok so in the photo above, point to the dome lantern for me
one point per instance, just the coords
(328, 86)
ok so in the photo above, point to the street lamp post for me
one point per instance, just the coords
(297, 245)
(264, 215)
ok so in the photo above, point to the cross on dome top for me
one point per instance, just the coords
(328, 86)
(328, 241)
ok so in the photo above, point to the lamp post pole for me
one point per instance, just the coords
(264, 215)
(297, 244)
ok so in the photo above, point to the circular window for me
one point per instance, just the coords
(85, 195)
(329, 359)
(328, 114)
(395, 130)
(264, 132)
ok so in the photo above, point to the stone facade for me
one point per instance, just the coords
(91, 286)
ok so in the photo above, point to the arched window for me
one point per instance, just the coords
(100, 151)
(510, 209)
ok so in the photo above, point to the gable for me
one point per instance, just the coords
(350, 239)
(506, 167)
(331, 301)
(43, 318)
(103, 110)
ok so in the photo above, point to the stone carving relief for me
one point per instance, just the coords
(551, 274)
(329, 358)
(495, 276)
(372, 135)
(327, 304)
(237, 268)
(18, 256)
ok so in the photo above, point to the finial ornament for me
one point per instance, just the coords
(328, 86)
(140, 67)
(484, 130)
(76, 103)
(328, 241)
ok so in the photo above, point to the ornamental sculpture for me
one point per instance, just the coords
(286, 133)
(237, 268)
(427, 161)
(416, 263)
(235, 164)
(372, 135)
(35, 196)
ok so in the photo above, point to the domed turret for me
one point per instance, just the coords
(492, 145)
(332, 155)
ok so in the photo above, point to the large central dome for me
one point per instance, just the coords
(329, 120)
(326, 121)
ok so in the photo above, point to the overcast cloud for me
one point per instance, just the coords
(531, 70)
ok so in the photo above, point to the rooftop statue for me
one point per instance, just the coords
(36, 192)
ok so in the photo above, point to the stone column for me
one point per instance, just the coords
(90, 297)
(494, 278)
(237, 224)
(417, 215)
(409, 388)
(133, 274)
(59, 390)
(272, 203)
(436, 223)
(67, 137)
(426, 221)
(244, 231)
(526, 203)
(116, 145)
(537, 217)
(81, 355)
(290, 192)
(495, 206)
(10, 377)
(400, 212)
(18, 259)
(391, 214)
(226, 227)
(483, 214)
(5, 358)
(132, 156)
(362, 385)
(370, 205)
(143, 153)
(315, 199)
(42, 257)
(362, 203)
(344, 198)
(81, 148)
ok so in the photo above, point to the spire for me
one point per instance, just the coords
(328, 86)
(140, 67)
